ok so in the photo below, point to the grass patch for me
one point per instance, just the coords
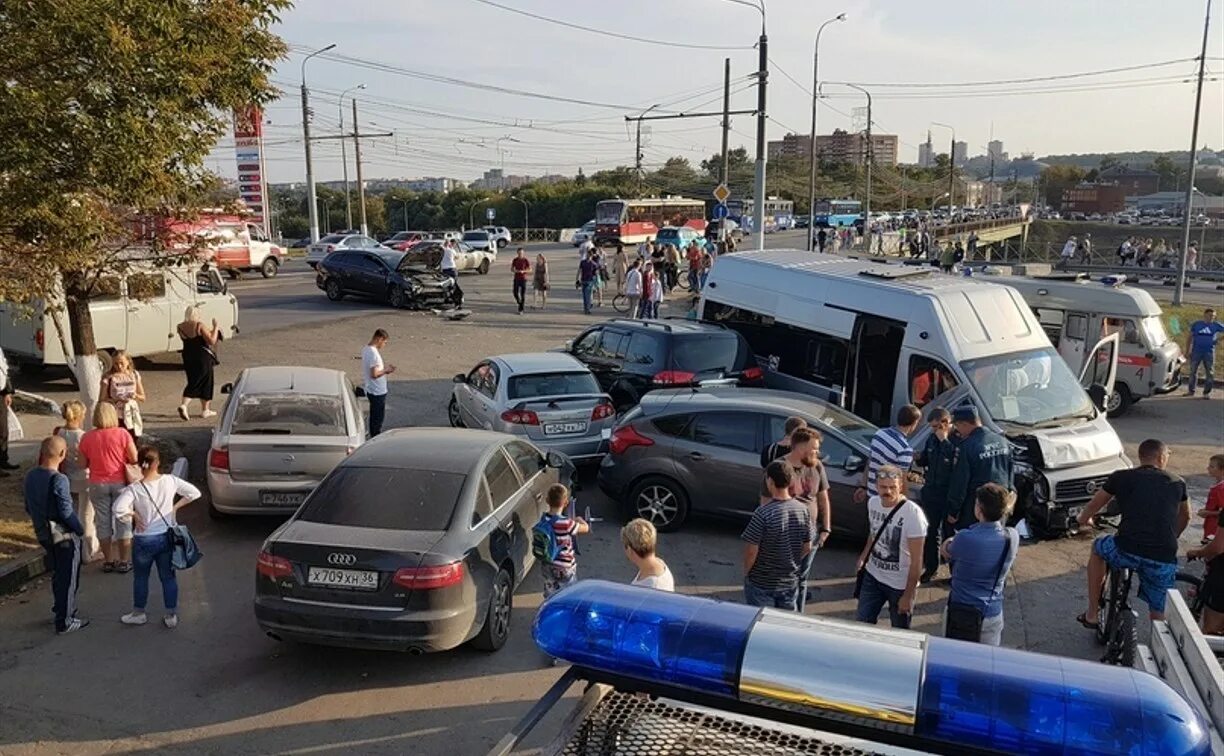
(1177, 321)
(16, 532)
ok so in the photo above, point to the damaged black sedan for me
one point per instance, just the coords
(387, 276)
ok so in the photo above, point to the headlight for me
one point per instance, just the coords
(1041, 487)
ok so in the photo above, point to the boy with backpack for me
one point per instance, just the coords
(552, 541)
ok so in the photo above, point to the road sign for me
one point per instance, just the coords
(721, 193)
(720, 212)
(490, 213)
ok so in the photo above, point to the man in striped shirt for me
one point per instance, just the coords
(777, 539)
(890, 446)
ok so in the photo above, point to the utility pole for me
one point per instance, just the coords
(637, 155)
(1198, 104)
(812, 140)
(311, 197)
(365, 229)
(726, 131)
(348, 195)
(758, 186)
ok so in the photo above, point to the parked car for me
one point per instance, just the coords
(632, 357)
(302, 243)
(281, 431)
(385, 275)
(801, 221)
(429, 254)
(480, 239)
(733, 230)
(584, 234)
(684, 452)
(500, 234)
(332, 242)
(449, 235)
(550, 398)
(679, 237)
(416, 542)
(403, 240)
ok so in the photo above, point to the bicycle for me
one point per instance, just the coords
(1117, 625)
(620, 303)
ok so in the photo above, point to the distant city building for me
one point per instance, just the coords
(790, 146)
(496, 179)
(926, 153)
(838, 147)
(994, 149)
(432, 184)
(1136, 181)
(960, 153)
(1090, 197)
(1174, 202)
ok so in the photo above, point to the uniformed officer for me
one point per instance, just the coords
(982, 457)
(936, 458)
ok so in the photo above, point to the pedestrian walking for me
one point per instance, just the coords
(693, 257)
(199, 360)
(106, 451)
(1215, 498)
(374, 375)
(890, 446)
(707, 264)
(601, 278)
(48, 502)
(150, 504)
(782, 446)
(74, 467)
(890, 564)
(585, 249)
(539, 282)
(520, 266)
(1201, 340)
(972, 245)
(672, 265)
(633, 288)
(982, 457)
(123, 387)
(447, 265)
(588, 270)
(936, 457)
(560, 568)
(655, 294)
(640, 540)
(778, 537)
(1192, 256)
(980, 557)
(1083, 250)
(822, 238)
(6, 392)
(621, 267)
(947, 257)
(648, 276)
(810, 486)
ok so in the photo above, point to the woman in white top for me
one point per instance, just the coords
(151, 503)
(639, 538)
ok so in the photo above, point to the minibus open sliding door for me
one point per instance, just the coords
(874, 357)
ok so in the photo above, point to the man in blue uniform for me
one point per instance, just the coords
(936, 457)
(982, 457)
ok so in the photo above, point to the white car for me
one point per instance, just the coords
(330, 243)
(478, 238)
(429, 253)
(584, 234)
(500, 234)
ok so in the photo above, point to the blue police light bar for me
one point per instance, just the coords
(949, 696)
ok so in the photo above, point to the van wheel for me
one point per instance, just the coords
(105, 359)
(497, 620)
(501, 243)
(484, 266)
(269, 268)
(333, 290)
(1119, 401)
(660, 500)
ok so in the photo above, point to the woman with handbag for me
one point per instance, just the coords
(150, 504)
(199, 359)
(539, 283)
(981, 555)
(107, 451)
(122, 387)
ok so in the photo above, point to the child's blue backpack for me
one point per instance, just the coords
(544, 545)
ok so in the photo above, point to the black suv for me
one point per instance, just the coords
(632, 357)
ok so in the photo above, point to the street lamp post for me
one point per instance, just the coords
(526, 219)
(951, 167)
(348, 199)
(471, 218)
(310, 186)
(1179, 290)
(812, 144)
(869, 159)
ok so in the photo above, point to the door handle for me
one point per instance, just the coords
(508, 526)
(697, 456)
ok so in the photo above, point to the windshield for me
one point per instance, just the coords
(391, 259)
(1154, 330)
(1028, 388)
(289, 415)
(609, 212)
(668, 235)
(552, 384)
(476, 236)
(403, 236)
(391, 498)
(332, 239)
(719, 353)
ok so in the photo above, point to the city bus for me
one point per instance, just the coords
(779, 214)
(835, 213)
(632, 221)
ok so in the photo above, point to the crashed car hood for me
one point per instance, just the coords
(1078, 444)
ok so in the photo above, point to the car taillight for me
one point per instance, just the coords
(273, 567)
(752, 374)
(602, 410)
(427, 578)
(674, 378)
(218, 459)
(626, 437)
(40, 339)
(521, 417)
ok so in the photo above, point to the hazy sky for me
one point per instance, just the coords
(442, 129)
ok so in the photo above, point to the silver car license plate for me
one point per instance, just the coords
(331, 577)
(281, 498)
(554, 429)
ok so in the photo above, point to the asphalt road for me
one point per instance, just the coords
(217, 685)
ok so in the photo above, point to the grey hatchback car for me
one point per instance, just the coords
(549, 398)
(685, 451)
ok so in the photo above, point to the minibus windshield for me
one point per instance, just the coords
(1029, 388)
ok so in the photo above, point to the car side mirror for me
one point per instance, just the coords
(1098, 395)
(227, 388)
(359, 392)
(556, 459)
(459, 378)
(568, 346)
(854, 463)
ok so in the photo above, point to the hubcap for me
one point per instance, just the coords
(454, 413)
(501, 608)
(657, 504)
(1114, 401)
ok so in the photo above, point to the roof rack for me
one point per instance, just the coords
(892, 273)
(1061, 277)
(648, 323)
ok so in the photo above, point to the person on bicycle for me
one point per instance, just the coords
(1154, 509)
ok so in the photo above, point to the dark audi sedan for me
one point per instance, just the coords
(416, 542)
(385, 275)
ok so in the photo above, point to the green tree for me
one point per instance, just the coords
(107, 111)
(1172, 174)
(1055, 179)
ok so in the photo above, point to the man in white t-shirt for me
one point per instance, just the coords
(585, 249)
(448, 260)
(893, 561)
(374, 375)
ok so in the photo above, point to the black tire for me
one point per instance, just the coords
(397, 297)
(501, 243)
(1125, 644)
(484, 267)
(1105, 616)
(661, 500)
(269, 268)
(452, 414)
(1119, 401)
(333, 290)
(497, 619)
(620, 303)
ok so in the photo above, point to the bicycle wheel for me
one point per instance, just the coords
(1108, 612)
(682, 281)
(620, 303)
(1124, 646)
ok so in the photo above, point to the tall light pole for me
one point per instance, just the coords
(869, 158)
(526, 218)
(1198, 104)
(471, 218)
(502, 153)
(812, 145)
(348, 199)
(637, 155)
(951, 167)
(310, 186)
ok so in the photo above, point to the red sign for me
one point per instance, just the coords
(248, 148)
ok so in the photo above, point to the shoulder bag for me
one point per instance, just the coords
(858, 578)
(184, 553)
(965, 620)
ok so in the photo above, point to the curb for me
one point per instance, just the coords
(40, 404)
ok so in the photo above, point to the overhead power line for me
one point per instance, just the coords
(1031, 79)
(606, 33)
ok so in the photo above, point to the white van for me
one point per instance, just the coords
(1075, 311)
(136, 312)
(873, 337)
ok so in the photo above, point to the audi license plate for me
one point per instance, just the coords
(281, 499)
(554, 429)
(331, 577)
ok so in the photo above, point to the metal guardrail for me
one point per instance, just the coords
(1133, 272)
